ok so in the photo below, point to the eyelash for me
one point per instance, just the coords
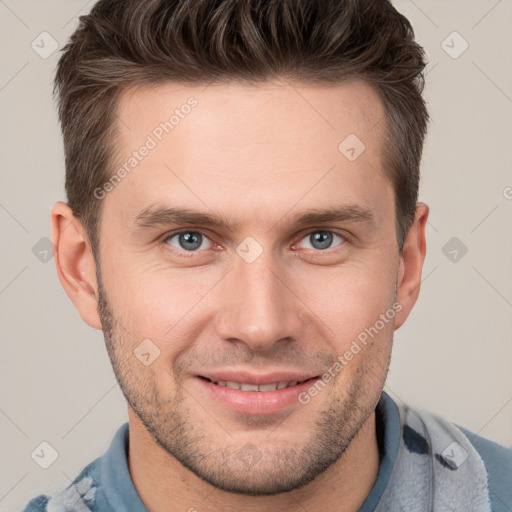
(190, 254)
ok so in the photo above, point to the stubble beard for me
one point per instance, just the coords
(238, 468)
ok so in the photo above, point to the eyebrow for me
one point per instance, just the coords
(157, 216)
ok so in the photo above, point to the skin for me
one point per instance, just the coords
(256, 155)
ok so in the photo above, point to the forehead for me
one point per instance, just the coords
(248, 112)
(232, 146)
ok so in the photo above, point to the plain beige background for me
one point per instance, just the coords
(453, 356)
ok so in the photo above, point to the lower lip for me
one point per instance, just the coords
(256, 402)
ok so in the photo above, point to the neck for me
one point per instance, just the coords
(164, 485)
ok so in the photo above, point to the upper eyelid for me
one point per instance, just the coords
(171, 234)
(343, 236)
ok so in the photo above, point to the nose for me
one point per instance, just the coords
(259, 307)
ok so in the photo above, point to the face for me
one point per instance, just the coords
(243, 257)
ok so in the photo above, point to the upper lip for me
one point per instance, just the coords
(258, 379)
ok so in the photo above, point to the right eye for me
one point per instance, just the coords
(188, 241)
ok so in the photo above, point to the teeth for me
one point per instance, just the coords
(253, 387)
(268, 387)
(248, 387)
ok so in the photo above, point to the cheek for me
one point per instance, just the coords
(156, 303)
(350, 298)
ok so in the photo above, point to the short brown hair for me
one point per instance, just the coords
(130, 43)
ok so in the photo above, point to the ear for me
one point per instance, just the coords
(75, 263)
(411, 264)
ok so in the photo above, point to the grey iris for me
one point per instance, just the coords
(322, 238)
(192, 238)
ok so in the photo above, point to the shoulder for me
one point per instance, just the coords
(470, 465)
(79, 496)
(498, 463)
(37, 504)
(87, 492)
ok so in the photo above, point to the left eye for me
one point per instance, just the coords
(322, 239)
(188, 240)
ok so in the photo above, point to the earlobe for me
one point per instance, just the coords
(411, 264)
(75, 264)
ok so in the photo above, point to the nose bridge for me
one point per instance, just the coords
(258, 308)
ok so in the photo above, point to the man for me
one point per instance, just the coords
(242, 223)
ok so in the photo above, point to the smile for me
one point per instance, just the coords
(251, 394)
(273, 386)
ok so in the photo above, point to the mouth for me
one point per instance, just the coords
(244, 386)
(255, 395)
